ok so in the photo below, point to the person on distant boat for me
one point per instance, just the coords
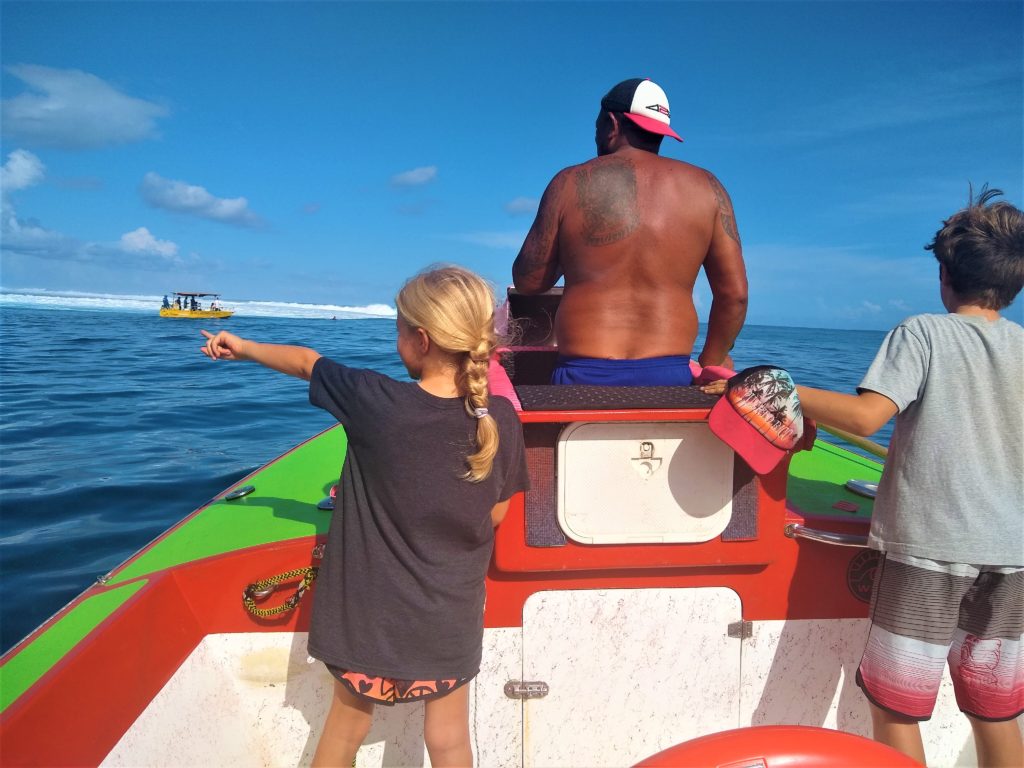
(949, 514)
(430, 467)
(166, 304)
(630, 231)
(177, 302)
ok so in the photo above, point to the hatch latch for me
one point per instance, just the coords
(526, 689)
(646, 464)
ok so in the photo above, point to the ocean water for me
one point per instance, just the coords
(113, 426)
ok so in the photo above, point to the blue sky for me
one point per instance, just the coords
(322, 152)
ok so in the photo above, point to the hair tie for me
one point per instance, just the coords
(479, 412)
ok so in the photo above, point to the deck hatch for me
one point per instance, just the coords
(643, 482)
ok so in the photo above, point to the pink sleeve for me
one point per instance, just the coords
(499, 383)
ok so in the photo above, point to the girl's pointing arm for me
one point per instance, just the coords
(292, 360)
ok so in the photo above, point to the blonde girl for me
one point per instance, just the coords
(429, 470)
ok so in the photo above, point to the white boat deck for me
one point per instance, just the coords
(630, 672)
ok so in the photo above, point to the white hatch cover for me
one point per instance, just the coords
(630, 672)
(637, 482)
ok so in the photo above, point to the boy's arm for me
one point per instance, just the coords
(862, 414)
(292, 360)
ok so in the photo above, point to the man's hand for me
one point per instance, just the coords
(715, 387)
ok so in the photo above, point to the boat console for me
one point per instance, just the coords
(614, 470)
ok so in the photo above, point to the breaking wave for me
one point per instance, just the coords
(74, 300)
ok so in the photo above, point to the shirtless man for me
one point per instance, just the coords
(630, 231)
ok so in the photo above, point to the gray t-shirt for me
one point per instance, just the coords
(401, 588)
(952, 488)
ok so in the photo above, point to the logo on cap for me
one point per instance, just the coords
(659, 109)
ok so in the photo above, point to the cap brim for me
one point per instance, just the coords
(652, 125)
(736, 432)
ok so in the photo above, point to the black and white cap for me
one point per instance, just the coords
(642, 101)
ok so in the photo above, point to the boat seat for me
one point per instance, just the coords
(583, 397)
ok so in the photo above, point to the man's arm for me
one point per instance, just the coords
(537, 268)
(727, 277)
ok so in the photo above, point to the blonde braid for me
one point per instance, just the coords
(456, 309)
(474, 373)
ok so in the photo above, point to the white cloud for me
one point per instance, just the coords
(522, 205)
(504, 241)
(22, 169)
(182, 197)
(416, 177)
(31, 239)
(71, 109)
(138, 248)
(142, 241)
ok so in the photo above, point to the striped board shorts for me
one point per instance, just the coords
(925, 612)
(390, 690)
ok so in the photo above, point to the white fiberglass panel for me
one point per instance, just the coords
(630, 672)
(256, 700)
(803, 672)
(640, 482)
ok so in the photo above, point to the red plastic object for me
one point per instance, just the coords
(780, 746)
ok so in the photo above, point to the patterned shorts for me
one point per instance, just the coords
(925, 612)
(389, 690)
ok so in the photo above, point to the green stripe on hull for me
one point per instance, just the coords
(817, 479)
(36, 659)
(282, 507)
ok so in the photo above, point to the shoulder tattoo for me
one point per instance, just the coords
(606, 196)
(725, 212)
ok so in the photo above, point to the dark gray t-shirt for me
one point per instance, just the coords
(401, 588)
(953, 484)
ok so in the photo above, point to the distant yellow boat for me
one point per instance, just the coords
(190, 305)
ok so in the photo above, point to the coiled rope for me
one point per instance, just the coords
(263, 588)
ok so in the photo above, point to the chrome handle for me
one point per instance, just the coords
(797, 531)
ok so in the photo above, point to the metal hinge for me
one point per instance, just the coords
(741, 630)
(526, 689)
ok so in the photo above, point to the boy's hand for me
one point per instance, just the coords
(223, 346)
(715, 387)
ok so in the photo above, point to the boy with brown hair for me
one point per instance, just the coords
(949, 515)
